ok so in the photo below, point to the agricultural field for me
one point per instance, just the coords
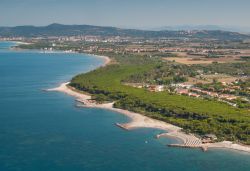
(189, 60)
(203, 60)
(209, 78)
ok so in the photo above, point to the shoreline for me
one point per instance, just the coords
(141, 121)
(107, 60)
(22, 43)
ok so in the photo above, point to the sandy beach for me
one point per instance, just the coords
(23, 43)
(107, 60)
(141, 121)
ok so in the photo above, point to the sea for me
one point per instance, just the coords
(45, 131)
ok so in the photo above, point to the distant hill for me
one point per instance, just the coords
(204, 27)
(73, 30)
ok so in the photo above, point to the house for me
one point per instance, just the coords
(227, 97)
(182, 91)
(194, 95)
(196, 90)
(156, 88)
(160, 88)
(152, 88)
(208, 138)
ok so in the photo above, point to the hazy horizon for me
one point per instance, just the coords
(129, 14)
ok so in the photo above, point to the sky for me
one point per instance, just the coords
(126, 13)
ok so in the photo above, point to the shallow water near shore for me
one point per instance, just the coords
(45, 131)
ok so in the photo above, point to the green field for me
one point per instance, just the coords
(193, 115)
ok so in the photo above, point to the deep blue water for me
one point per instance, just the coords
(44, 131)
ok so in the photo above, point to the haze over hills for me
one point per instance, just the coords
(73, 30)
(203, 27)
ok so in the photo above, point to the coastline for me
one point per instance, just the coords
(141, 121)
(22, 43)
(107, 60)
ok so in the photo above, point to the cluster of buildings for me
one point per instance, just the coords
(12, 39)
(140, 50)
(92, 38)
(152, 88)
(186, 92)
(156, 88)
(190, 90)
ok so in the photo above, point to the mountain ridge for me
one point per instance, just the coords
(56, 29)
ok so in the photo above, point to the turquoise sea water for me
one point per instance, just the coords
(44, 131)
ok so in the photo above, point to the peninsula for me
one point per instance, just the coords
(139, 120)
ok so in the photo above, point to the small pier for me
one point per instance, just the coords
(203, 148)
(122, 126)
